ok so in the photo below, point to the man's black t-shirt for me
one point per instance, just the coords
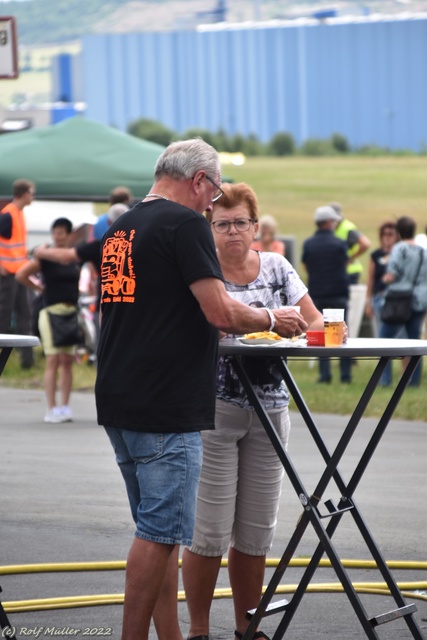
(325, 257)
(61, 282)
(90, 252)
(157, 353)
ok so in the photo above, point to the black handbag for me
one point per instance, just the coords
(397, 307)
(66, 330)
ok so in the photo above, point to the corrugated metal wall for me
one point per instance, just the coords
(366, 80)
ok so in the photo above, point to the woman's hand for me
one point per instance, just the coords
(388, 277)
(345, 333)
(369, 311)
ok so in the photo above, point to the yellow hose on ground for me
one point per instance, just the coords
(69, 602)
(270, 562)
(43, 604)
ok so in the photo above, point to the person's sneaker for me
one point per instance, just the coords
(66, 413)
(53, 415)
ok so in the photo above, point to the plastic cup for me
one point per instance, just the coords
(334, 327)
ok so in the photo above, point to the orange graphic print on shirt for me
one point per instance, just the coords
(117, 273)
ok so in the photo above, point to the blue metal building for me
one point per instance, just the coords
(365, 78)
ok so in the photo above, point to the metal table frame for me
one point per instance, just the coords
(7, 343)
(384, 351)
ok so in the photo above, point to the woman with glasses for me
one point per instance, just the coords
(377, 268)
(241, 475)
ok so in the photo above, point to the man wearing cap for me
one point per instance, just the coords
(325, 258)
(357, 243)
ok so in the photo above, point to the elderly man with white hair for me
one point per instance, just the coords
(163, 301)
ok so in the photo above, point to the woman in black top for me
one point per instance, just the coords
(377, 268)
(60, 288)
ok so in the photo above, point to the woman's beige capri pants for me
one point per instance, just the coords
(240, 483)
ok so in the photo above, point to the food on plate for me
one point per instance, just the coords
(301, 337)
(266, 335)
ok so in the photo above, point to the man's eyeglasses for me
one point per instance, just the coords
(218, 193)
(241, 224)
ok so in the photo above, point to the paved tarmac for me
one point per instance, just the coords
(63, 500)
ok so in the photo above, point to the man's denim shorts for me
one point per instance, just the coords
(161, 472)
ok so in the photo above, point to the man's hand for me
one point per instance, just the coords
(289, 323)
(38, 252)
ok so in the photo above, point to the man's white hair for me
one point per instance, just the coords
(182, 159)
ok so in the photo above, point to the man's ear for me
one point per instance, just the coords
(198, 178)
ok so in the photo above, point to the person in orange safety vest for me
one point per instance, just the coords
(15, 313)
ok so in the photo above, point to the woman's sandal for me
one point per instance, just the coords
(198, 638)
(257, 634)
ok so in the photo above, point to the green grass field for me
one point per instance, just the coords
(336, 398)
(370, 190)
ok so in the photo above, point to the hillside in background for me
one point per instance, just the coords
(42, 22)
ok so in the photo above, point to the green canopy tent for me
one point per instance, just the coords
(77, 159)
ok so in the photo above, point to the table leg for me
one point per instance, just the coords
(7, 630)
(4, 355)
(311, 514)
(332, 461)
(347, 493)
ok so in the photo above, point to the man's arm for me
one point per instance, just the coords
(6, 225)
(231, 316)
(363, 243)
(63, 255)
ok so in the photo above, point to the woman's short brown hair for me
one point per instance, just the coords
(235, 194)
(386, 226)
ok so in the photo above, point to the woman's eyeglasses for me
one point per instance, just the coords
(241, 224)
